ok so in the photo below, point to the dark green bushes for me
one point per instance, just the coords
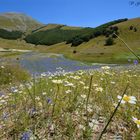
(49, 37)
(132, 28)
(109, 41)
(106, 29)
(57, 35)
(73, 37)
(10, 34)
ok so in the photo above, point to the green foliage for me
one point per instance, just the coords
(109, 41)
(109, 31)
(137, 135)
(73, 106)
(77, 41)
(73, 36)
(52, 36)
(10, 34)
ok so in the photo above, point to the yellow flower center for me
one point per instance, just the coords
(137, 122)
(126, 98)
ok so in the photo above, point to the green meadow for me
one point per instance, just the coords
(100, 104)
(73, 106)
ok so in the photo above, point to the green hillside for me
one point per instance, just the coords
(53, 34)
(93, 49)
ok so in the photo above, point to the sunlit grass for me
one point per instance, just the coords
(10, 74)
(73, 106)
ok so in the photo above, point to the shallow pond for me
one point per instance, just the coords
(41, 62)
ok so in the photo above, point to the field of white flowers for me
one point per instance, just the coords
(82, 105)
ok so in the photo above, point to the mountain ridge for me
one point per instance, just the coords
(18, 21)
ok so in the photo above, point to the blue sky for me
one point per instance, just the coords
(87, 13)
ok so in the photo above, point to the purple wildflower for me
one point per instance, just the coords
(135, 62)
(26, 136)
(49, 101)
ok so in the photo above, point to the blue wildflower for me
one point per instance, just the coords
(26, 136)
(135, 62)
(49, 100)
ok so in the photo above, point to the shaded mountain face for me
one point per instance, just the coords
(17, 21)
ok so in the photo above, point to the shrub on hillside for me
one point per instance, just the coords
(109, 41)
(97, 33)
(85, 38)
(135, 29)
(74, 51)
(115, 28)
(114, 36)
(131, 27)
(109, 31)
(77, 41)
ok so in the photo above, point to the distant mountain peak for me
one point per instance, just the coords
(18, 21)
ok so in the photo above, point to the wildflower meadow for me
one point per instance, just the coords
(83, 105)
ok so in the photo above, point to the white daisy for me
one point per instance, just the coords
(129, 99)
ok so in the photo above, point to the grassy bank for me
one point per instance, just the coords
(11, 74)
(73, 106)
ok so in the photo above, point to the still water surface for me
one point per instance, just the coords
(41, 62)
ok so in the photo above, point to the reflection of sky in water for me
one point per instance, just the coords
(38, 63)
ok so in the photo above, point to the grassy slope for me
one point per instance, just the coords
(48, 27)
(94, 50)
(53, 26)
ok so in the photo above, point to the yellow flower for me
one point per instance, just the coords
(136, 121)
(128, 99)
